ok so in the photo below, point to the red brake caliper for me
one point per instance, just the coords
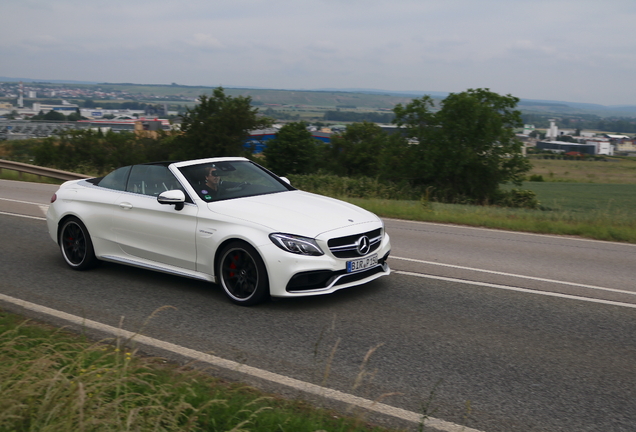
(233, 265)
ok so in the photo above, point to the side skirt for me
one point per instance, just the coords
(159, 268)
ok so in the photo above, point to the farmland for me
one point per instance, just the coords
(610, 171)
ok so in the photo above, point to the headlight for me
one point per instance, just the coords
(296, 244)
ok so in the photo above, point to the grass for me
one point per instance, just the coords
(605, 220)
(592, 199)
(51, 380)
(611, 171)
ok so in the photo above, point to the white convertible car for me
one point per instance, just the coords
(223, 220)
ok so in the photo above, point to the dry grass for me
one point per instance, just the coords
(55, 381)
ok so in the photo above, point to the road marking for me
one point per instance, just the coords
(22, 216)
(22, 202)
(306, 387)
(43, 207)
(518, 289)
(517, 276)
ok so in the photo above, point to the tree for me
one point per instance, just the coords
(293, 151)
(75, 116)
(54, 115)
(218, 126)
(414, 154)
(467, 148)
(356, 152)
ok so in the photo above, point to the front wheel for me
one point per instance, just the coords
(242, 274)
(76, 245)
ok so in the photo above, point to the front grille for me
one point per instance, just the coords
(347, 247)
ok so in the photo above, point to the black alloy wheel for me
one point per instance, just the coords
(76, 245)
(242, 274)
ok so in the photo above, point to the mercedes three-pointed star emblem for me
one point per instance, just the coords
(363, 245)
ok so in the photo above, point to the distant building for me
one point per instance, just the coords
(603, 146)
(258, 138)
(552, 132)
(152, 125)
(566, 147)
(528, 129)
(65, 108)
(616, 137)
(626, 146)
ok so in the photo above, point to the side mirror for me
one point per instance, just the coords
(176, 197)
(286, 180)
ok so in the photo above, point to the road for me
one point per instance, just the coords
(502, 331)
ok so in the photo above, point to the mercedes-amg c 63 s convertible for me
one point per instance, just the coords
(224, 220)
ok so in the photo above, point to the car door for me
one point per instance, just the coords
(156, 232)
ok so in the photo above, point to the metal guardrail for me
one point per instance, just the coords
(40, 171)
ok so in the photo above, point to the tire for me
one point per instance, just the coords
(76, 245)
(242, 274)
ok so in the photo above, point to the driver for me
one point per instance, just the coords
(213, 184)
(214, 187)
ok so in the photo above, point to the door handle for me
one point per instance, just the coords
(126, 206)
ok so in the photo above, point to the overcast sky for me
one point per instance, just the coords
(568, 50)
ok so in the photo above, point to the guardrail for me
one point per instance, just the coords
(39, 171)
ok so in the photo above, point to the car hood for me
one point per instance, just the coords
(295, 212)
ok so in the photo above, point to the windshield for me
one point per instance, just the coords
(232, 179)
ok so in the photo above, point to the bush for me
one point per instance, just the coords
(536, 178)
(518, 198)
(359, 187)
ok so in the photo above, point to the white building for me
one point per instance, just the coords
(603, 146)
(66, 108)
(553, 131)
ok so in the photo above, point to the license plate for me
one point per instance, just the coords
(362, 263)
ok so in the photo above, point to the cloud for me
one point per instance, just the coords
(574, 48)
(206, 41)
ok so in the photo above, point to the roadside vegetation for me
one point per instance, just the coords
(457, 161)
(52, 380)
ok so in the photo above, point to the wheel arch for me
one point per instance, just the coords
(61, 222)
(221, 246)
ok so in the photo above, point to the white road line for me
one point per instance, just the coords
(518, 289)
(22, 202)
(314, 389)
(22, 216)
(516, 275)
(43, 207)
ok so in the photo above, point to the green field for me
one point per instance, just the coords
(612, 170)
(587, 198)
(594, 216)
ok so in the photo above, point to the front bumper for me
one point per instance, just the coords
(296, 276)
(326, 280)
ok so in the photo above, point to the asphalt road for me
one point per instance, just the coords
(450, 321)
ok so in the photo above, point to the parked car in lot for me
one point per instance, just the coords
(224, 220)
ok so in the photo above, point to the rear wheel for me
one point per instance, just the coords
(76, 245)
(242, 274)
